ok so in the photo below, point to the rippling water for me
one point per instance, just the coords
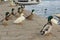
(52, 7)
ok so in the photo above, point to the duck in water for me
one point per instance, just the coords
(30, 17)
(47, 27)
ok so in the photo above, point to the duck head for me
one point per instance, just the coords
(49, 19)
(7, 15)
(32, 11)
(22, 6)
(12, 9)
(19, 9)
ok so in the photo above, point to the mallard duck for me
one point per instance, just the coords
(12, 3)
(5, 20)
(7, 15)
(18, 12)
(47, 27)
(50, 18)
(30, 17)
(15, 2)
(19, 19)
(22, 7)
(12, 12)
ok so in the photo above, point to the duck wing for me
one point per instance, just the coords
(43, 27)
(58, 17)
(29, 17)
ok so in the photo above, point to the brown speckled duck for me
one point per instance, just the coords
(30, 17)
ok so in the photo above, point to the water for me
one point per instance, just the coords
(53, 7)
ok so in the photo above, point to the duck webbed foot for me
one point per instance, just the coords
(42, 32)
(4, 24)
(18, 23)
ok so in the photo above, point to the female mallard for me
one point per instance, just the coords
(19, 19)
(47, 27)
(30, 17)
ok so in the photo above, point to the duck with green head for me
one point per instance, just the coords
(7, 15)
(49, 18)
(30, 17)
(6, 19)
(22, 7)
(18, 13)
(19, 10)
(47, 27)
(12, 11)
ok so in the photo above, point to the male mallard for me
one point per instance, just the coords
(47, 27)
(30, 17)
(5, 20)
(12, 11)
(50, 18)
(15, 2)
(22, 7)
(18, 12)
(20, 19)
